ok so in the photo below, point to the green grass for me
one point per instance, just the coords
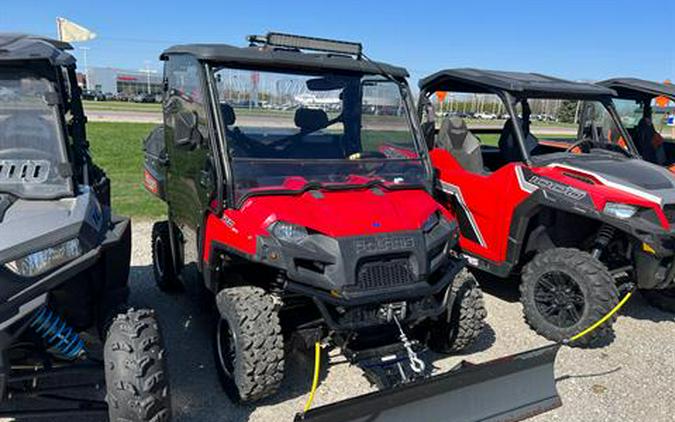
(117, 148)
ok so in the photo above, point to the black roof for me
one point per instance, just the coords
(637, 89)
(281, 59)
(519, 84)
(15, 47)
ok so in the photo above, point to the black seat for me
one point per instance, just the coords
(508, 146)
(455, 137)
(240, 145)
(644, 142)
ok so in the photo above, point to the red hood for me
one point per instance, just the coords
(336, 214)
(346, 213)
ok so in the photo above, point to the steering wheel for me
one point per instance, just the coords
(590, 142)
(365, 155)
(578, 144)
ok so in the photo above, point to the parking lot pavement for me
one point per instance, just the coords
(630, 380)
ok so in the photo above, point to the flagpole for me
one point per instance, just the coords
(86, 68)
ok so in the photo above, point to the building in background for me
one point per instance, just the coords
(121, 81)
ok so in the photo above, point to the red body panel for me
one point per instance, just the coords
(336, 214)
(492, 199)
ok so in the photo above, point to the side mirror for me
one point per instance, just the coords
(187, 129)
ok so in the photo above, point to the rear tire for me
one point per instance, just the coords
(564, 291)
(135, 369)
(249, 346)
(663, 299)
(162, 259)
(466, 320)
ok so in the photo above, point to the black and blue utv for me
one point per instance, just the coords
(65, 329)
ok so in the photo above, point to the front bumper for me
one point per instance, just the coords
(15, 308)
(350, 278)
(351, 311)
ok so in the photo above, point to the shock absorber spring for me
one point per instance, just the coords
(57, 333)
(605, 235)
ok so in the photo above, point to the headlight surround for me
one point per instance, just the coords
(619, 210)
(288, 232)
(431, 222)
(47, 259)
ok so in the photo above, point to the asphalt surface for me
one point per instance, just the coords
(631, 379)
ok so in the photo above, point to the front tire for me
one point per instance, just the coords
(564, 291)
(163, 267)
(249, 346)
(663, 299)
(458, 330)
(135, 369)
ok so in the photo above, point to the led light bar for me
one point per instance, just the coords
(310, 43)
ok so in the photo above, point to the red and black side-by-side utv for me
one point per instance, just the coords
(298, 185)
(577, 225)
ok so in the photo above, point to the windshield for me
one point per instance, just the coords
(31, 147)
(287, 132)
(598, 125)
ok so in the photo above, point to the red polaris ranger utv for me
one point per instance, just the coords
(578, 226)
(298, 185)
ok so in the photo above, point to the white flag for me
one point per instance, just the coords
(70, 31)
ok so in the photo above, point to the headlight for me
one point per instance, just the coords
(288, 232)
(46, 259)
(430, 223)
(618, 210)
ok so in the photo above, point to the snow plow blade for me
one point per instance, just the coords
(511, 388)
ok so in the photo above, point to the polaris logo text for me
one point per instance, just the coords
(565, 190)
(383, 244)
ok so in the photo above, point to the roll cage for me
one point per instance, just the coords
(266, 53)
(638, 89)
(517, 87)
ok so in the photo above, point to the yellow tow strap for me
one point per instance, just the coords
(315, 379)
(603, 319)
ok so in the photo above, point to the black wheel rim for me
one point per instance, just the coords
(559, 299)
(226, 347)
(160, 257)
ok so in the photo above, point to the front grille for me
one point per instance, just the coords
(669, 211)
(383, 273)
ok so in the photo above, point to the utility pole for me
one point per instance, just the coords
(147, 72)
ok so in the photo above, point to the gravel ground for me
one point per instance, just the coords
(630, 380)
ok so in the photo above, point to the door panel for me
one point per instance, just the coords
(188, 149)
(483, 204)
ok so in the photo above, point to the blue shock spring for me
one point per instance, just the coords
(57, 333)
